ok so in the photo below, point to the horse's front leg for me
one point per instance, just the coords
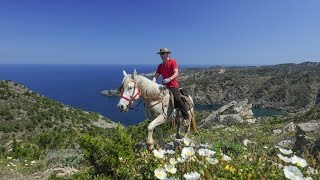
(157, 121)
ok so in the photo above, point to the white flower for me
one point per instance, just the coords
(187, 151)
(181, 160)
(26, 164)
(212, 160)
(307, 178)
(284, 158)
(170, 152)
(265, 147)
(159, 154)
(186, 141)
(293, 173)
(206, 152)
(8, 165)
(246, 142)
(172, 161)
(33, 162)
(120, 158)
(226, 158)
(160, 173)
(299, 161)
(9, 157)
(312, 171)
(285, 151)
(170, 168)
(192, 176)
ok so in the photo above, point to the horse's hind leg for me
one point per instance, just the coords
(157, 121)
(160, 136)
(178, 123)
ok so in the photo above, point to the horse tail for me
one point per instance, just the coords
(193, 118)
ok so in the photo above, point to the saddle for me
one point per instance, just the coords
(185, 98)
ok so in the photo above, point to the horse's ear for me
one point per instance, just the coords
(134, 74)
(124, 73)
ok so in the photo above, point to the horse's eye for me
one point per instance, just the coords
(129, 88)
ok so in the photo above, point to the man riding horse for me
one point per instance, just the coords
(168, 69)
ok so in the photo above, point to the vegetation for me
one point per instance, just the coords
(38, 135)
(288, 87)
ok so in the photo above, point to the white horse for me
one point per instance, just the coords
(158, 106)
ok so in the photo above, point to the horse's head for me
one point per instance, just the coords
(129, 92)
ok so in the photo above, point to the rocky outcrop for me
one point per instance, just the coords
(308, 137)
(230, 114)
(112, 92)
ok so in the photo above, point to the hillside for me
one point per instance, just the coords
(289, 87)
(35, 127)
(44, 139)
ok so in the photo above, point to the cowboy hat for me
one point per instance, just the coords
(164, 50)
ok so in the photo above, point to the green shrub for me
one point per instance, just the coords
(104, 153)
(25, 150)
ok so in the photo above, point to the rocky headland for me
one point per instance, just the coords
(288, 87)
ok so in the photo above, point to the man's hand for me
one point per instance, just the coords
(165, 81)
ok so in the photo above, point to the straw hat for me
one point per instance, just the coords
(164, 50)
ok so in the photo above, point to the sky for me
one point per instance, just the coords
(224, 32)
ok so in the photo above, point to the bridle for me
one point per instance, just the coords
(132, 97)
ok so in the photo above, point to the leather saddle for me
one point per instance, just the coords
(185, 98)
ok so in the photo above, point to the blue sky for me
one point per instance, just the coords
(225, 32)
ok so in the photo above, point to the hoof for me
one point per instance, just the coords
(150, 147)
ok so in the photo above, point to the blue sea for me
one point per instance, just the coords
(80, 86)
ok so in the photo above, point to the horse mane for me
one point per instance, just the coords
(149, 89)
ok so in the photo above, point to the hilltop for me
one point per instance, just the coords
(289, 87)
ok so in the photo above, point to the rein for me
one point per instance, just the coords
(132, 97)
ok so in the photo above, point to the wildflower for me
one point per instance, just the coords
(120, 158)
(206, 152)
(187, 151)
(230, 168)
(312, 171)
(212, 160)
(299, 161)
(159, 154)
(8, 165)
(171, 152)
(265, 147)
(186, 141)
(170, 168)
(284, 158)
(160, 173)
(285, 151)
(292, 172)
(246, 142)
(32, 162)
(26, 164)
(181, 160)
(226, 158)
(192, 176)
(9, 157)
(172, 161)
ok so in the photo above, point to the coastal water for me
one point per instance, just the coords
(80, 86)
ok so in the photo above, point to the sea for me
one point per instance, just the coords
(81, 85)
